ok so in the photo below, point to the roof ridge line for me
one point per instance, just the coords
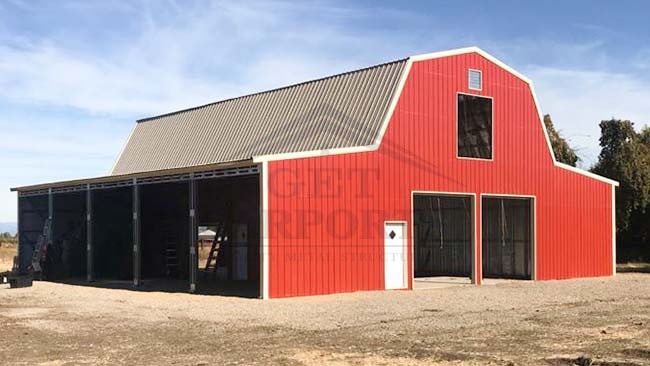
(270, 90)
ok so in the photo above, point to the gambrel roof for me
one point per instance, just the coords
(340, 111)
(344, 113)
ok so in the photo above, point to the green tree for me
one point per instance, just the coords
(625, 157)
(645, 136)
(563, 152)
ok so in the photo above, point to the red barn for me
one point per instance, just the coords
(434, 165)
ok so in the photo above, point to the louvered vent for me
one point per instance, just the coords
(475, 80)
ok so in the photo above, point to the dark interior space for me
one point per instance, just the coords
(33, 212)
(165, 230)
(231, 208)
(443, 234)
(113, 233)
(507, 233)
(66, 257)
(474, 127)
(228, 261)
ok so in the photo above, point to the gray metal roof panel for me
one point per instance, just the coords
(345, 110)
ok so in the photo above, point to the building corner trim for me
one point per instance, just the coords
(613, 230)
(264, 247)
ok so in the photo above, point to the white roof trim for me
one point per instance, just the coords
(393, 102)
(354, 149)
(315, 153)
(586, 173)
(461, 51)
(398, 93)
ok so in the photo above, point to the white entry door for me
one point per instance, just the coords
(394, 255)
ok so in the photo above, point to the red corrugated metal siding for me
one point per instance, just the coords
(327, 213)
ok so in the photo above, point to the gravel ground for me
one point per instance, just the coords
(7, 253)
(602, 321)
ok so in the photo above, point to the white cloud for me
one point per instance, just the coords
(47, 75)
(579, 99)
(581, 84)
(180, 56)
(51, 149)
(165, 56)
(173, 56)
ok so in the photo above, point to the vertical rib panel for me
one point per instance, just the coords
(573, 212)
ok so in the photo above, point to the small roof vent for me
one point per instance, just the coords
(475, 79)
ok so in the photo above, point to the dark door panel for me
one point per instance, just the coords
(506, 237)
(443, 228)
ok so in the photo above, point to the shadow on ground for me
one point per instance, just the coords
(243, 289)
(633, 267)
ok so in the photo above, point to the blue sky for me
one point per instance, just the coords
(74, 75)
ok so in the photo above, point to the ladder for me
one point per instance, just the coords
(171, 256)
(221, 239)
(169, 239)
(171, 261)
(40, 250)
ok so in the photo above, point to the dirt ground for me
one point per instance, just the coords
(7, 253)
(602, 321)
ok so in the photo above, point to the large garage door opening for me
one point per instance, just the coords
(33, 213)
(112, 230)
(443, 235)
(165, 233)
(507, 233)
(66, 255)
(228, 221)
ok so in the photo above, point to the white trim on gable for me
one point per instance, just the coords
(393, 105)
(354, 149)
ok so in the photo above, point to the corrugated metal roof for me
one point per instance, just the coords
(340, 111)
